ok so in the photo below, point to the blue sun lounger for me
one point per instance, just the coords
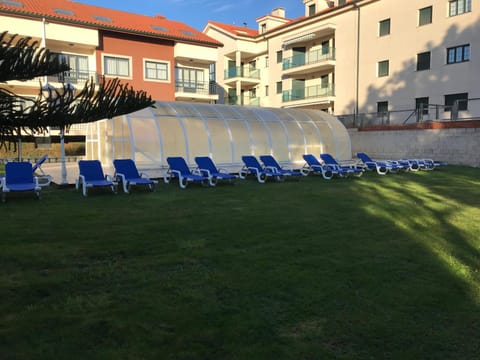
(313, 166)
(381, 166)
(253, 167)
(271, 163)
(18, 178)
(178, 169)
(127, 173)
(91, 176)
(344, 170)
(207, 168)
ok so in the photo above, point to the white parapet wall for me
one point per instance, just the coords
(457, 146)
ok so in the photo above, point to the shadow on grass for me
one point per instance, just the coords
(376, 267)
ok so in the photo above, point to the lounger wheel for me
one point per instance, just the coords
(242, 174)
(213, 181)
(382, 170)
(414, 167)
(328, 174)
(262, 178)
(183, 182)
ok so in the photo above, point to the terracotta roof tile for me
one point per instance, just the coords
(235, 29)
(103, 18)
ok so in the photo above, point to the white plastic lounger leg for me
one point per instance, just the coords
(182, 182)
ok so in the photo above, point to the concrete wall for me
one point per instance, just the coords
(457, 146)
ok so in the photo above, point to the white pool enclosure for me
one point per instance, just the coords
(223, 132)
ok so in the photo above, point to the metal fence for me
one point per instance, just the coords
(465, 109)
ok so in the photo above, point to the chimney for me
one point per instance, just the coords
(279, 12)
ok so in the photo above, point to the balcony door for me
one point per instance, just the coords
(298, 89)
(232, 69)
(299, 56)
(78, 68)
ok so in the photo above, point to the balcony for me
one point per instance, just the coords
(318, 60)
(74, 77)
(245, 100)
(316, 94)
(248, 76)
(200, 90)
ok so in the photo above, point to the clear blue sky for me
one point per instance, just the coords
(197, 13)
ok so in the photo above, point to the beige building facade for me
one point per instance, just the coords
(355, 57)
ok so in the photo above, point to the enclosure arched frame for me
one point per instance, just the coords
(223, 132)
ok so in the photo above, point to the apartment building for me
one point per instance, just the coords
(168, 59)
(352, 57)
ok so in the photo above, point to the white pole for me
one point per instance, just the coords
(62, 154)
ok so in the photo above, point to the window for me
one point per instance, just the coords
(156, 70)
(423, 61)
(78, 68)
(384, 27)
(279, 87)
(190, 78)
(266, 61)
(266, 90)
(324, 81)
(460, 99)
(382, 107)
(383, 68)
(188, 33)
(425, 16)
(64, 12)
(102, 18)
(279, 56)
(11, 3)
(311, 10)
(342, 2)
(159, 28)
(263, 28)
(211, 72)
(325, 47)
(457, 7)
(421, 103)
(116, 66)
(458, 54)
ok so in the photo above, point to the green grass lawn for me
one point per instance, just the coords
(377, 267)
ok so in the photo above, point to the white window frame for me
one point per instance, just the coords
(157, 61)
(453, 10)
(128, 58)
(379, 64)
(420, 16)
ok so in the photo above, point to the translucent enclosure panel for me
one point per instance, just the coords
(173, 139)
(260, 137)
(197, 138)
(220, 139)
(148, 149)
(241, 140)
(329, 142)
(163, 109)
(344, 145)
(280, 146)
(105, 135)
(313, 138)
(297, 141)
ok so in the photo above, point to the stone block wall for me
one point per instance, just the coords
(456, 145)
